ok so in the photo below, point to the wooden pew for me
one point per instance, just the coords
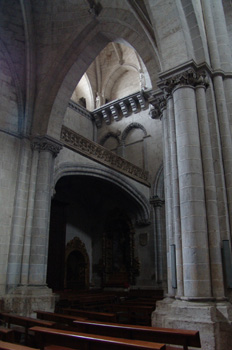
(133, 313)
(86, 300)
(11, 346)
(24, 322)
(82, 341)
(6, 334)
(93, 315)
(184, 338)
(57, 318)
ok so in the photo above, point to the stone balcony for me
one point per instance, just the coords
(115, 110)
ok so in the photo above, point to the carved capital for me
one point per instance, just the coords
(156, 201)
(187, 75)
(46, 144)
(158, 105)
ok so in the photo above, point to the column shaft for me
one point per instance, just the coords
(221, 32)
(39, 240)
(176, 199)
(29, 219)
(48, 148)
(168, 197)
(210, 195)
(20, 212)
(225, 137)
(196, 270)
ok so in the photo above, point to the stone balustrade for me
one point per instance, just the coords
(114, 110)
(100, 154)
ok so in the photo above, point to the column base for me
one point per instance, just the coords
(212, 319)
(24, 300)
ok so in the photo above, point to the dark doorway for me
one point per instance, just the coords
(75, 273)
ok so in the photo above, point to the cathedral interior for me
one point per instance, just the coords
(115, 148)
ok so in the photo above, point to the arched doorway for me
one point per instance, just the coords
(76, 265)
(90, 213)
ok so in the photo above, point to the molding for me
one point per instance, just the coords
(100, 154)
(130, 127)
(112, 134)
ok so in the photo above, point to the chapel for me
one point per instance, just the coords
(116, 156)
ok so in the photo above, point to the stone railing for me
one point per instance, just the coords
(114, 110)
(123, 107)
(100, 154)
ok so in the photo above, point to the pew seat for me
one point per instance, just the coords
(6, 334)
(82, 341)
(21, 324)
(93, 315)
(181, 337)
(11, 346)
(57, 318)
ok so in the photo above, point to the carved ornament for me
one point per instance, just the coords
(156, 201)
(46, 143)
(100, 154)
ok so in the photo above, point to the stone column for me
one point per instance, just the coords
(48, 150)
(30, 286)
(176, 198)
(19, 218)
(210, 193)
(202, 305)
(29, 219)
(158, 204)
(220, 58)
(160, 111)
(225, 137)
(196, 268)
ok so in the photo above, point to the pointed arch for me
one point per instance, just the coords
(75, 61)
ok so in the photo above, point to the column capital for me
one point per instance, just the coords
(46, 143)
(159, 103)
(156, 201)
(189, 74)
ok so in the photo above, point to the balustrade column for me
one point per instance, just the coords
(210, 194)
(196, 269)
(48, 149)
